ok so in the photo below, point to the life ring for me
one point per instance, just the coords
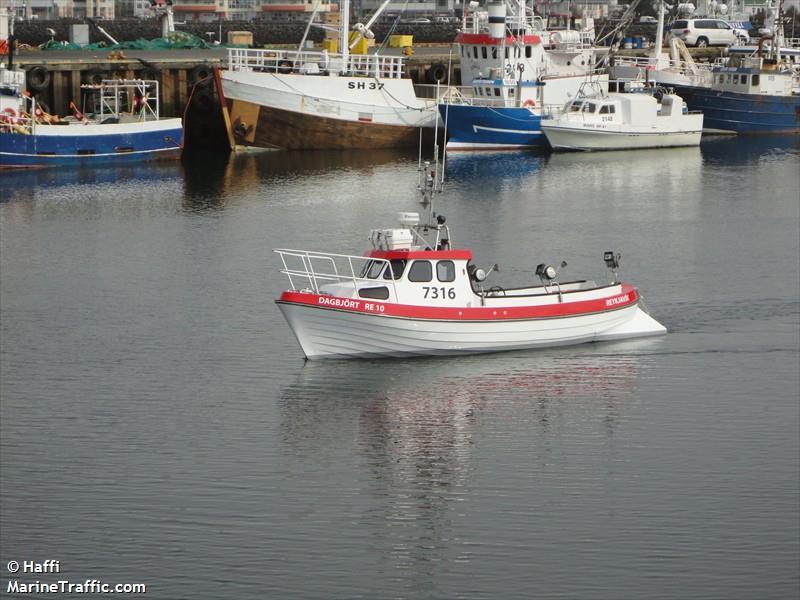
(9, 115)
(437, 73)
(38, 78)
(285, 66)
(529, 103)
(201, 75)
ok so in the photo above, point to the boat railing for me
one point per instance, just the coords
(23, 122)
(319, 268)
(312, 62)
(139, 97)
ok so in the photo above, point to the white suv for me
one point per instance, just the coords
(705, 32)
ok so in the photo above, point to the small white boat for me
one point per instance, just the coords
(622, 122)
(413, 294)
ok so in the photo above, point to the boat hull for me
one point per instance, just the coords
(564, 137)
(306, 112)
(471, 127)
(325, 332)
(78, 144)
(726, 111)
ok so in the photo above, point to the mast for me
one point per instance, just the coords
(659, 34)
(344, 33)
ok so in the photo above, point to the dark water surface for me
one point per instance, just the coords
(158, 424)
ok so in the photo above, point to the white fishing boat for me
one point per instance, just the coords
(414, 293)
(623, 121)
(309, 99)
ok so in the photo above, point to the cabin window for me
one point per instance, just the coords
(489, 91)
(494, 51)
(575, 107)
(744, 79)
(528, 51)
(590, 107)
(375, 293)
(604, 109)
(420, 271)
(755, 79)
(512, 92)
(396, 268)
(497, 92)
(373, 269)
(475, 51)
(506, 52)
(446, 270)
(736, 79)
(483, 51)
(612, 109)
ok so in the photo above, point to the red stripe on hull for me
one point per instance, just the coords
(627, 297)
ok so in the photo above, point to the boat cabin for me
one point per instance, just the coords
(414, 265)
(631, 109)
(752, 80)
(507, 93)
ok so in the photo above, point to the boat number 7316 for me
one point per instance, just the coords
(436, 293)
(365, 85)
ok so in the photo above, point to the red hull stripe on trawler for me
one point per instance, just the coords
(627, 297)
(482, 39)
(420, 254)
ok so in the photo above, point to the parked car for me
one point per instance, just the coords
(647, 19)
(707, 32)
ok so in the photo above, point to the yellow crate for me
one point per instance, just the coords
(331, 46)
(241, 38)
(400, 41)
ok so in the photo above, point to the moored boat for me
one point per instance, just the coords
(125, 127)
(320, 100)
(753, 95)
(515, 70)
(622, 122)
(412, 293)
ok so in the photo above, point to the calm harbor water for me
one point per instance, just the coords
(158, 424)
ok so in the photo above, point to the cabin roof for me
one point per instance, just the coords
(420, 254)
(484, 39)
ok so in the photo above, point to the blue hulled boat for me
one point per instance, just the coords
(515, 71)
(757, 97)
(125, 126)
(496, 120)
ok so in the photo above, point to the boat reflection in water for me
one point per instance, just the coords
(427, 429)
(729, 150)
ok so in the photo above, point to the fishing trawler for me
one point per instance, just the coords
(414, 292)
(320, 100)
(125, 127)
(516, 70)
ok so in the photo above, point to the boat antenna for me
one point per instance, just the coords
(446, 115)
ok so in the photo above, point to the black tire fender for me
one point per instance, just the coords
(437, 73)
(37, 78)
(201, 75)
(202, 99)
